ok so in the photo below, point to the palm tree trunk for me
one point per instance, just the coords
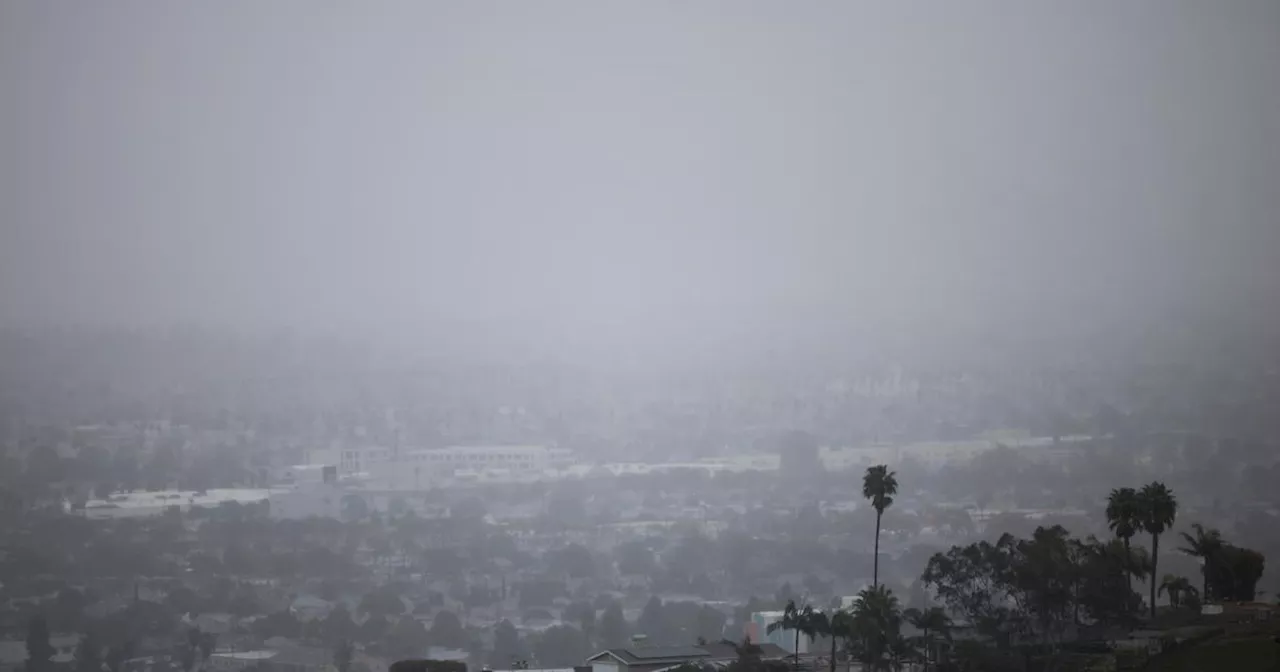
(1155, 559)
(833, 652)
(1128, 571)
(1204, 579)
(875, 563)
(797, 651)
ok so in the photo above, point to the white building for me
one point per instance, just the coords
(154, 503)
(360, 460)
(301, 474)
(758, 633)
(417, 468)
(509, 458)
(234, 661)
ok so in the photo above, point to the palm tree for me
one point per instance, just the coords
(1122, 514)
(1205, 544)
(1158, 509)
(1109, 563)
(876, 624)
(1176, 586)
(879, 486)
(797, 619)
(929, 621)
(1136, 560)
(900, 650)
(810, 621)
(835, 625)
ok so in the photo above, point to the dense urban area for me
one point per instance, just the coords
(179, 501)
(639, 336)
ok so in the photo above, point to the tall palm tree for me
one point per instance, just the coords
(1159, 508)
(879, 485)
(1176, 587)
(1123, 514)
(1206, 544)
(933, 620)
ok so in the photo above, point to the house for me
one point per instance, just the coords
(216, 623)
(302, 659)
(310, 608)
(645, 658)
(161, 663)
(655, 658)
(285, 659)
(234, 661)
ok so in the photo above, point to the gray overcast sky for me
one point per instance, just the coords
(646, 167)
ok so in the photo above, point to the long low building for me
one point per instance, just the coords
(154, 503)
(290, 659)
(415, 468)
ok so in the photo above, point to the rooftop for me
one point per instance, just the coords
(244, 655)
(662, 654)
(637, 654)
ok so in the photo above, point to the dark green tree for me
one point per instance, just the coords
(382, 601)
(635, 557)
(1104, 591)
(507, 647)
(39, 650)
(1176, 587)
(574, 560)
(208, 642)
(560, 646)
(584, 615)
(1236, 572)
(278, 624)
(373, 629)
(338, 625)
(343, 653)
(118, 654)
(932, 624)
(613, 627)
(653, 621)
(1205, 544)
(407, 638)
(89, 654)
(447, 631)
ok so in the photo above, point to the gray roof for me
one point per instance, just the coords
(304, 656)
(724, 650)
(655, 654)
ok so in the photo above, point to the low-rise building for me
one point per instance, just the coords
(291, 659)
(656, 658)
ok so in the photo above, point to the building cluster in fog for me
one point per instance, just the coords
(639, 337)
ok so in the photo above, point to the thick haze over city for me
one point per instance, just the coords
(648, 172)
(651, 336)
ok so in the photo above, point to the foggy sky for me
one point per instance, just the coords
(655, 169)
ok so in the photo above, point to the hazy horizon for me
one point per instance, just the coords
(652, 172)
